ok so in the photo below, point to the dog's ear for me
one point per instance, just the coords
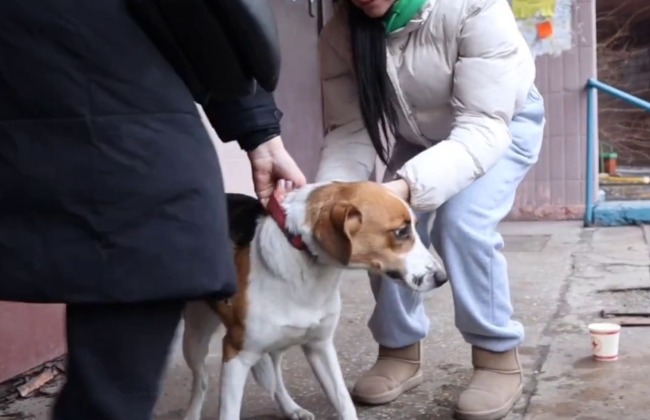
(335, 230)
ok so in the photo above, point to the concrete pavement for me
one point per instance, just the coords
(557, 270)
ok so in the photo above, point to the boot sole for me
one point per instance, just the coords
(493, 414)
(392, 395)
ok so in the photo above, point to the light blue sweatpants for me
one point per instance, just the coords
(464, 234)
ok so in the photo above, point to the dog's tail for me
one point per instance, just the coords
(264, 374)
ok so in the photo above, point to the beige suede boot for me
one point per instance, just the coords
(395, 372)
(497, 384)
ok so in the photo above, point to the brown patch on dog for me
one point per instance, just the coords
(362, 223)
(233, 312)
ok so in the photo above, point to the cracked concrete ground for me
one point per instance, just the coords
(557, 270)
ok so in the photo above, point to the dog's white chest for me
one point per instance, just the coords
(276, 321)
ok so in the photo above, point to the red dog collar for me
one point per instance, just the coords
(276, 211)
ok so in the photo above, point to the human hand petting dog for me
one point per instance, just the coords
(400, 188)
(282, 188)
(270, 163)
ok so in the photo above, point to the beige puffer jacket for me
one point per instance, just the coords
(461, 69)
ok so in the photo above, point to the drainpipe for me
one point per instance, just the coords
(591, 140)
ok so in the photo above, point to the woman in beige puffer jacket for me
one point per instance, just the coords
(452, 81)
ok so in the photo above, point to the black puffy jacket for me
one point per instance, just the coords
(110, 187)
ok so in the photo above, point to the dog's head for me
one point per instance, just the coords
(363, 225)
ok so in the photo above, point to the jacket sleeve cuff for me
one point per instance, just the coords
(251, 141)
(250, 120)
(437, 174)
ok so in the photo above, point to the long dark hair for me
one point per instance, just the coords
(376, 95)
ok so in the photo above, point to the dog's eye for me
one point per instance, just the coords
(403, 233)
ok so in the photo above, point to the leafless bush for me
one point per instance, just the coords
(623, 51)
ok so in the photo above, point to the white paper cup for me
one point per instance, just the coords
(604, 341)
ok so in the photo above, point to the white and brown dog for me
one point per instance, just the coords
(289, 260)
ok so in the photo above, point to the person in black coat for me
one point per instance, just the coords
(111, 197)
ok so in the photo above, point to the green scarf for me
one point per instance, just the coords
(401, 13)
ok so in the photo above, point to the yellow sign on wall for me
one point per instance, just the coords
(525, 9)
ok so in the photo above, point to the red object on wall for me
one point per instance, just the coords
(30, 335)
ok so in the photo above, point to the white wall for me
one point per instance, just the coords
(235, 167)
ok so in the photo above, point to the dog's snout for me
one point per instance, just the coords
(419, 280)
(431, 279)
(440, 277)
(423, 272)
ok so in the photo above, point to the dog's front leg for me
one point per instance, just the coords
(324, 361)
(289, 408)
(234, 373)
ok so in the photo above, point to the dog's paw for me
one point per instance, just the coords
(301, 414)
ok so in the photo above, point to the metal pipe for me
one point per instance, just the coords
(591, 129)
(592, 85)
(619, 94)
